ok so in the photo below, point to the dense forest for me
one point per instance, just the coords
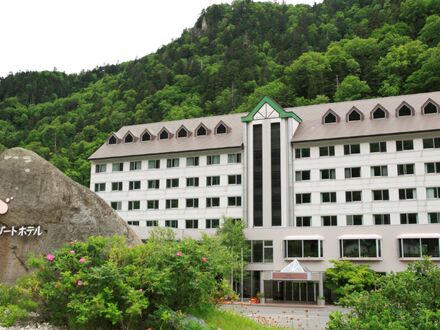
(235, 54)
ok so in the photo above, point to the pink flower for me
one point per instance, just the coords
(50, 257)
(178, 254)
(72, 252)
(72, 243)
(82, 260)
(204, 259)
(79, 283)
(141, 290)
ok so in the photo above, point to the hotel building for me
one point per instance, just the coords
(356, 180)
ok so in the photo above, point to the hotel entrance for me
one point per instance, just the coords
(291, 291)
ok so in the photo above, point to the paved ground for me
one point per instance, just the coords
(300, 317)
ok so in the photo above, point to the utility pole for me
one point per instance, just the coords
(337, 82)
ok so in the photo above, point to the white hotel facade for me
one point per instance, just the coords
(357, 180)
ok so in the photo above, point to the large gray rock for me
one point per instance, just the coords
(44, 196)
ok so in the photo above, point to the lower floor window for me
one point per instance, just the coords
(354, 220)
(434, 217)
(171, 223)
(212, 223)
(191, 224)
(418, 247)
(303, 221)
(303, 249)
(360, 248)
(116, 205)
(133, 223)
(261, 251)
(329, 220)
(381, 219)
(152, 223)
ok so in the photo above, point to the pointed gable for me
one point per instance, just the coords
(268, 108)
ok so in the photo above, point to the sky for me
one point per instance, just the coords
(75, 35)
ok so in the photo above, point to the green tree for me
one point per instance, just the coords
(352, 88)
(430, 34)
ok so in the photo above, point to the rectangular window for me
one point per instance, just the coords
(381, 170)
(378, 147)
(172, 162)
(152, 223)
(234, 201)
(326, 151)
(354, 220)
(434, 217)
(275, 161)
(234, 179)
(116, 186)
(360, 248)
(302, 175)
(351, 149)
(407, 193)
(234, 158)
(116, 205)
(303, 221)
(302, 153)
(117, 167)
(328, 174)
(405, 169)
(153, 184)
(133, 223)
(404, 145)
(432, 167)
(303, 198)
(258, 175)
(134, 185)
(419, 247)
(213, 202)
(134, 205)
(100, 168)
(353, 196)
(431, 143)
(303, 249)
(192, 202)
(99, 187)
(352, 172)
(433, 193)
(213, 180)
(191, 224)
(408, 218)
(171, 223)
(135, 166)
(192, 182)
(213, 160)
(173, 183)
(329, 220)
(153, 204)
(154, 163)
(192, 161)
(261, 251)
(171, 203)
(381, 195)
(381, 219)
(212, 223)
(328, 197)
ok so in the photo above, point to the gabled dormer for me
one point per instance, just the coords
(430, 107)
(164, 134)
(146, 136)
(330, 117)
(113, 139)
(183, 132)
(221, 128)
(202, 130)
(129, 137)
(354, 115)
(379, 112)
(404, 110)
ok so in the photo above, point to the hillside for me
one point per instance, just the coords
(234, 54)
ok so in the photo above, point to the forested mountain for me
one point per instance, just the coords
(234, 54)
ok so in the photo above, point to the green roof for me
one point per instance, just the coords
(282, 113)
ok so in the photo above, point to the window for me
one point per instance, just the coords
(192, 202)
(234, 179)
(192, 182)
(153, 204)
(328, 197)
(328, 174)
(117, 167)
(135, 166)
(326, 151)
(303, 249)
(212, 223)
(99, 187)
(261, 251)
(379, 113)
(116, 186)
(171, 203)
(128, 138)
(154, 163)
(408, 218)
(152, 223)
(434, 217)
(405, 169)
(191, 224)
(192, 161)
(221, 129)
(354, 115)
(112, 140)
(330, 118)
(171, 223)
(100, 168)
(360, 248)
(134, 205)
(302, 175)
(234, 201)
(201, 131)
(134, 185)
(353, 196)
(430, 108)
(212, 180)
(303, 198)
(234, 158)
(172, 162)
(302, 153)
(432, 167)
(352, 172)
(213, 160)
(116, 205)
(182, 132)
(404, 110)
(404, 145)
(418, 247)
(133, 223)
(329, 220)
(381, 195)
(433, 193)
(378, 147)
(213, 202)
(173, 183)
(351, 149)
(153, 184)
(354, 220)
(303, 221)
(381, 219)
(146, 137)
(164, 135)
(407, 193)
(431, 143)
(381, 170)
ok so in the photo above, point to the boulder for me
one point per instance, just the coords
(35, 193)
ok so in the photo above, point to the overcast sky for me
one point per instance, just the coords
(72, 35)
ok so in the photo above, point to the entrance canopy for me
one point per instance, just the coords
(293, 271)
